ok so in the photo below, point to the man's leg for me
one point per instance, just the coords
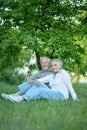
(24, 87)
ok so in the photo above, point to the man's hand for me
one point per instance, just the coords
(37, 83)
(29, 80)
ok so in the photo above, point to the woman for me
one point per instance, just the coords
(59, 83)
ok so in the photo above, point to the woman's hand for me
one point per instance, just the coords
(37, 83)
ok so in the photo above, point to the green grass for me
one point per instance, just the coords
(42, 114)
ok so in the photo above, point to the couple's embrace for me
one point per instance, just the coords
(49, 83)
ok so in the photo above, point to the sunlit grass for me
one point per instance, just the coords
(43, 114)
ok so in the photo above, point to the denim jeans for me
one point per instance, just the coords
(24, 87)
(42, 91)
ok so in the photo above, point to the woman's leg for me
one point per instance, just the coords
(51, 94)
(42, 91)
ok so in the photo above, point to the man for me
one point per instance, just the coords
(26, 85)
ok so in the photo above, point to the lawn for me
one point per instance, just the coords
(43, 114)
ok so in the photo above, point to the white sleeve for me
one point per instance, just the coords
(45, 79)
(67, 81)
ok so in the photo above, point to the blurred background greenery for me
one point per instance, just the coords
(30, 29)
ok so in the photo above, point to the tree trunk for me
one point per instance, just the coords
(38, 59)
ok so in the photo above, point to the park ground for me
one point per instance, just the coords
(43, 114)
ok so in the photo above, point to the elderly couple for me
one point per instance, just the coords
(49, 83)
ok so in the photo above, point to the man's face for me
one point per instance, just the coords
(45, 64)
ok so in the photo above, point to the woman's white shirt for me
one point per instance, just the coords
(61, 82)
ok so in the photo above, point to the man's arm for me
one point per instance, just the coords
(33, 77)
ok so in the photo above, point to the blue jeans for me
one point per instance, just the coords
(24, 87)
(42, 91)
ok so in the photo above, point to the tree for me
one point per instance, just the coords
(44, 27)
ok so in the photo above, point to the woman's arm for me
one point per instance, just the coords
(46, 79)
(67, 81)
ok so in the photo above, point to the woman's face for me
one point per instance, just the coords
(55, 66)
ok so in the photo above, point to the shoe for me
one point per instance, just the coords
(15, 98)
(12, 98)
(5, 96)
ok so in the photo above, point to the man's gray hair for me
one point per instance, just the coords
(59, 62)
(45, 57)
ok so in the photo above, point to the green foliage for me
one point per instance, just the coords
(43, 114)
(11, 77)
(48, 27)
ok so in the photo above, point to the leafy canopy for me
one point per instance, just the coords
(55, 28)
